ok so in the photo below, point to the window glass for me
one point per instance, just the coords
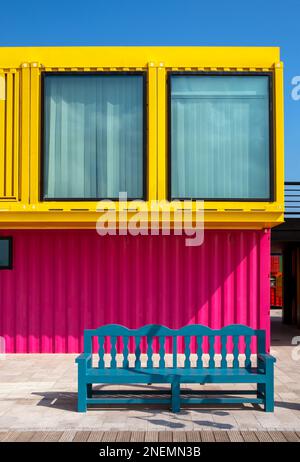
(93, 136)
(220, 137)
(5, 253)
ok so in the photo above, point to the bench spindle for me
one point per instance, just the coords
(187, 351)
(137, 352)
(150, 352)
(113, 352)
(224, 351)
(175, 350)
(101, 352)
(162, 362)
(248, 351)
(211, 363)
(235, 339)
(125, 352)
(199, 351)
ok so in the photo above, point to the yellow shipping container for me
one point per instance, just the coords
(21, 72)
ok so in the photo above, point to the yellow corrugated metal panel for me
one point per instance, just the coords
(9, 134)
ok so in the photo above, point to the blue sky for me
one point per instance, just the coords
(167, 22)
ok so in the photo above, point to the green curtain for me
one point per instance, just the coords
(93, 136)
(220, 137)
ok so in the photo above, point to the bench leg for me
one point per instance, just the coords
(175, 389)
(82, 396)
(269, 396)
(260, 390)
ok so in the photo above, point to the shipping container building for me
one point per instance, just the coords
(197, 127)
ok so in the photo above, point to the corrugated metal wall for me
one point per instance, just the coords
(65, 281)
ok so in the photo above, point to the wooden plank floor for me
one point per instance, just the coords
(162, 436)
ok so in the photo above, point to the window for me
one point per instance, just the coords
(5, 252)
(220, 144)
(94, 128)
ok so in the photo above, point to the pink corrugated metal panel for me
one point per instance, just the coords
(66, 280)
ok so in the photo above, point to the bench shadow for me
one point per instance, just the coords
(288, 405)
(68, 401)
(180, 424)
(179, 420)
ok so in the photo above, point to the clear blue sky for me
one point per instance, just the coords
(167, 22)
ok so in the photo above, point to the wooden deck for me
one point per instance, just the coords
(151, 436)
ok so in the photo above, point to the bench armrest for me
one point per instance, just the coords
(83, 358)
(265, 357)
(266, 363)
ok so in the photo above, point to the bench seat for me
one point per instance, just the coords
(156, 375)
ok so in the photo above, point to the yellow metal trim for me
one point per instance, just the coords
(139, 57)
(152, 132)
(16, 139)
(279, 133)
(228, 207)
(35, 127)
(32, 218)
(25, 132)
(161, 132)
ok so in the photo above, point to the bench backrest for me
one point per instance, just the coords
(234, 339)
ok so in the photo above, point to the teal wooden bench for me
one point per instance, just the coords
(197, 368)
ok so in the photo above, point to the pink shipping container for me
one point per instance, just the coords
(64, 281)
